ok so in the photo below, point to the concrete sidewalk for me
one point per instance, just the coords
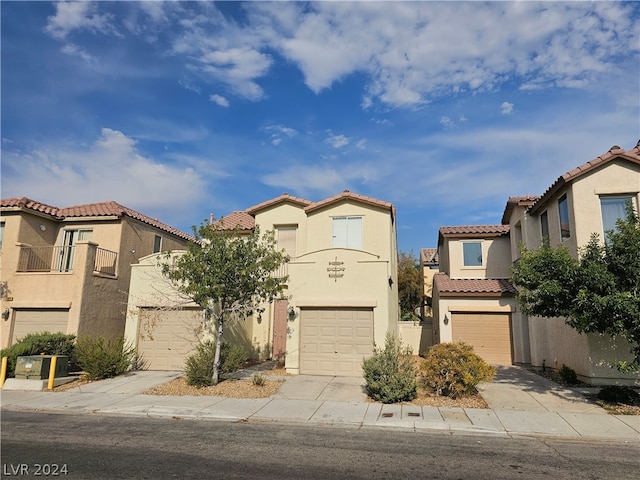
(519, 405)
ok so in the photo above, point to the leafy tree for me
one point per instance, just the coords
(227, 273)
(409, 284)
(599, 292)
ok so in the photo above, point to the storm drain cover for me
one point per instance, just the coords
(413, 414)
(387, 415)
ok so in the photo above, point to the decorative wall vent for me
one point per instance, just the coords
(336, 270)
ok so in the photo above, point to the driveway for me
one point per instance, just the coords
(516, 388)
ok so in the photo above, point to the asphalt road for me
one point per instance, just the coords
(106, 447)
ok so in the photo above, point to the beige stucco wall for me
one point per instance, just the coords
(496, 255)
(418, 337)
(366, 276)
(96, 303)
(552, 341)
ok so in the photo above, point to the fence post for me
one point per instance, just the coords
(52, 372)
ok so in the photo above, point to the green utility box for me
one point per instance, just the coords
(36, 367)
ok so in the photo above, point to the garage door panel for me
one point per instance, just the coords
(488, 333)
(167, 337)
(343, 338)
(26, 321)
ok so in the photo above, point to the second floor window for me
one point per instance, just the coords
(472, 254)
(286, 238)
(544, 225)
(563, 212)
(613, 209)
(347, 232)
(157, 244)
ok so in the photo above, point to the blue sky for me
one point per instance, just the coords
(445, 109)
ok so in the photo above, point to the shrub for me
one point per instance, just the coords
(390, 373)
(100, 358)
(454, 370)
(199, 366)
(619, 394)
(258, 380)
(37, 343)
(232, 357)
(568, 375)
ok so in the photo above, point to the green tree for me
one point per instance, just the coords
(599, 292)
(409, 284)
(228, 274)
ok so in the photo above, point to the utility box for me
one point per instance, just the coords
(36, 367)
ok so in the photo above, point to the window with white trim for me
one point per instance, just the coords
(613, 208)
(287, 240)
(472, 254)
(347, 232)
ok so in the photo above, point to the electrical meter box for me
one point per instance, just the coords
(36, 367)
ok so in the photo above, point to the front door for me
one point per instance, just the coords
(280, 313)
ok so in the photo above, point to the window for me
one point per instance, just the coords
(544, 226)
(69, 240)
(472, 254)
(1, 233)
(157, 244)
(563, 212)
(286, 237)
(347, 232)
(613, 208)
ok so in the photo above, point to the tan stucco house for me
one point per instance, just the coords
(341, 294)
(68, 269)
(476, 261)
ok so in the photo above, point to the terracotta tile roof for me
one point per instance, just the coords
(474, 231)
(285, 197)
(102, 209)
(242, 220)
(513, 202)
(614, 153)
(429, 256)
(347, 195)
(446, 286)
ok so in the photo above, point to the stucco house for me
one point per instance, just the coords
(341, 294)
(475, 262)
(68, 269)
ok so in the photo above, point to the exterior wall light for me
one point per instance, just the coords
(5, 314)
(446, 319)
(291, 314)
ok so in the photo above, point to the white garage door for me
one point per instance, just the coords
(334, 342)
(37, 321)
(488, 333)
(167, 337)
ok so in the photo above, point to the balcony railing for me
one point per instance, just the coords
(105, 262)
(61, 259)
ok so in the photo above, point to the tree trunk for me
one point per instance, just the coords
(216, 361)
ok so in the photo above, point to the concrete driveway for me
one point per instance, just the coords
(516, 388)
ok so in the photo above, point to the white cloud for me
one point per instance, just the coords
(76, 16)
(506, 108)
(279, 132)
(337, 141)
(362, 144)
(324, 180)
(447, 122)
(219, 99)
(111, 168)
(414, 51)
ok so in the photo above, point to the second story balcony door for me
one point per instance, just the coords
(67, 252)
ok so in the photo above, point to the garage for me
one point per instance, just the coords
(335, 341)
(37, 320)
(167, 337)
(488, 333)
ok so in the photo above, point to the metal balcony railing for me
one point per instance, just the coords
(61, 259)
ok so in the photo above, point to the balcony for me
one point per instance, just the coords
(61, 259)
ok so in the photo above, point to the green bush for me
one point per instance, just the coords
(199, 366)
(258, 380)
(390, 373)
(568, 375)
(454, 370)
(37, 343)
(619, 394)
(100, 358)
